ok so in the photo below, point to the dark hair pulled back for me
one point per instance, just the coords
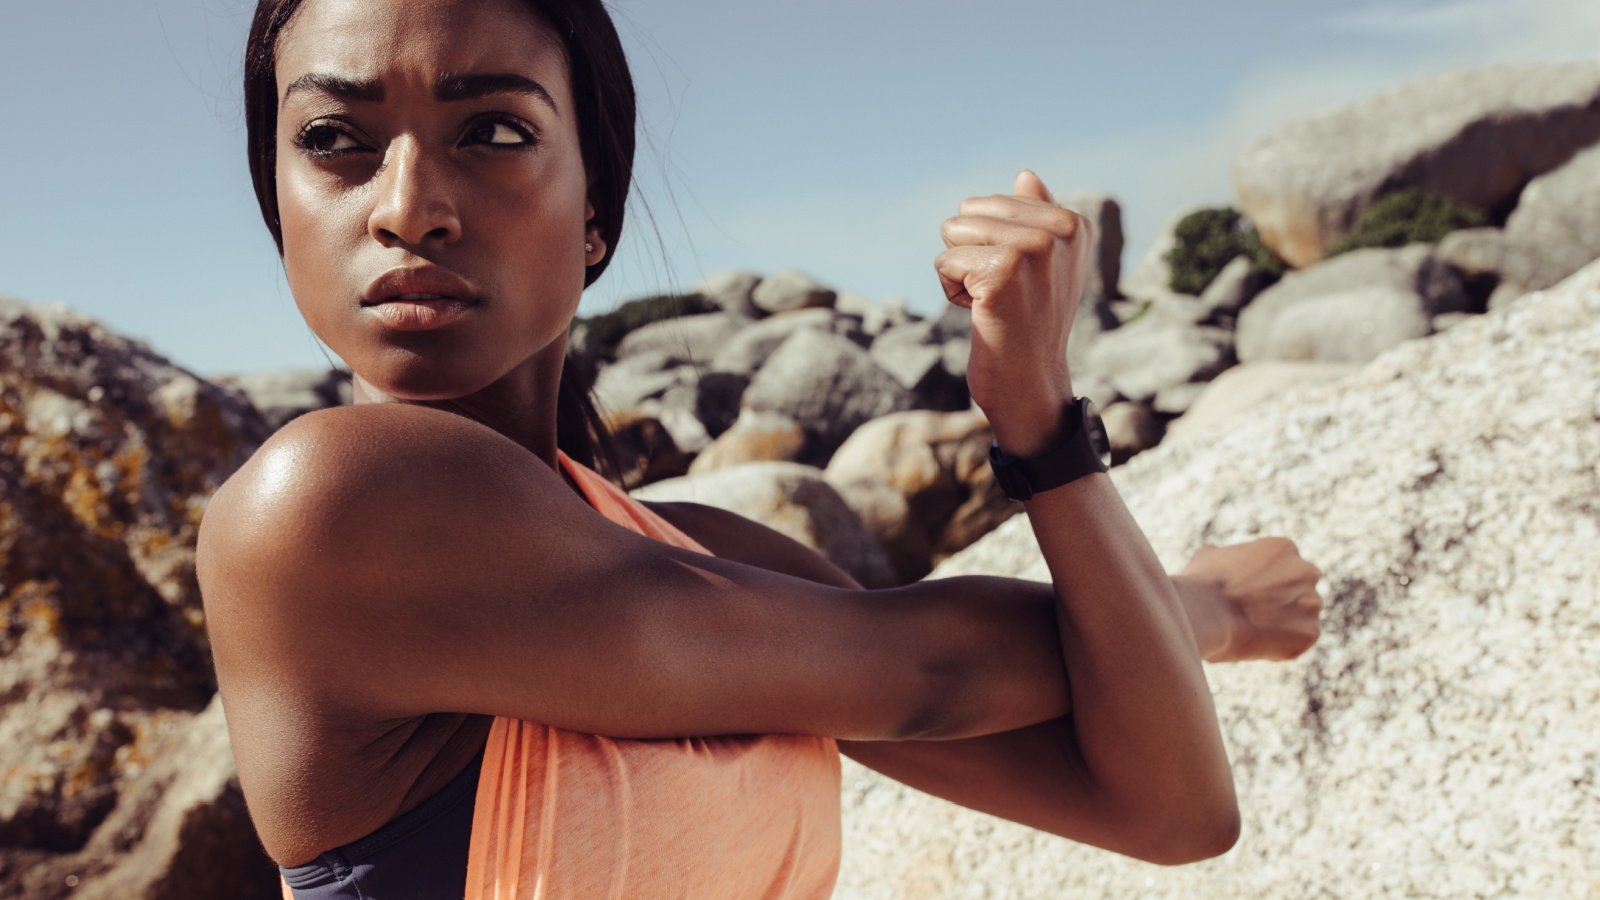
(603, 96)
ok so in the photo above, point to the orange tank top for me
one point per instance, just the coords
(562, 815)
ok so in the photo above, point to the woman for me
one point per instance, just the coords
(451, 655)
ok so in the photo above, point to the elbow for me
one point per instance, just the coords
(1200, 835)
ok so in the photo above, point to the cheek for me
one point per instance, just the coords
(315, 234)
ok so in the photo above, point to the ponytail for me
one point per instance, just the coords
(581, 432)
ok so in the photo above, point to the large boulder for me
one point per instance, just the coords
(1352, 307)
(1475, 136)
(1156, 352)
(108, 455)
(684, 339)
(749, 349)
(731, 292)
(627, 383)
(922, 484)
(789, 290)
(1553, 232)
(829, 385)
(789, 498)
(1439, 741)
(1247, 386)
(281, 395)
(754, 437)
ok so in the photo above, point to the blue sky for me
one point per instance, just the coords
(831, 136)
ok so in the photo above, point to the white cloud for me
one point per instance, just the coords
(1475, 32)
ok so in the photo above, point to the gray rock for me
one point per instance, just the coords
(1177, 399)
(1350, 308)
(282, 395)
(1250, 385)
(1131, 429)
(1444, 321)
(1236, 285)
(678, 411)
(1439, 741)
(789, 498)
(631, 381)
(790, 290)
(922, 369)
(748, 350)
(1106, 214)
(829, 385)
(685, 339)
(1475, 136)
(1555, 229)
(1153, 353)
(731, 292)
(883, 316)
(922, 484)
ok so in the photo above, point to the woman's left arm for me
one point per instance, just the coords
(1256, 600)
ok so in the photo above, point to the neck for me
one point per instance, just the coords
(521, 405)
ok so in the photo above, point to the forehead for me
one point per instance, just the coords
(419, 39)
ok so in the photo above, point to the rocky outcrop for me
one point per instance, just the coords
(1247, 386)
(1477, 137)
(1351, 308)
(829, 385)
(1439, 740)
(921, 483)
(790, 290)
(108, 454)
(1553, 232)
(282, 395)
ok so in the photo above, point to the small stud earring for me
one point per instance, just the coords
(588, 247)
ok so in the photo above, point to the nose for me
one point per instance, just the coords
(414, 203)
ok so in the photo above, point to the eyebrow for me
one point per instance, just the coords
(450, 87)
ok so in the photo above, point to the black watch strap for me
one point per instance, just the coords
(1082, 451)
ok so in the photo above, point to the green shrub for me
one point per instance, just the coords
(1209, 239)
(1409, 216)
(607, 330)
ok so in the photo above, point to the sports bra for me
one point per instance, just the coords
(564, 815)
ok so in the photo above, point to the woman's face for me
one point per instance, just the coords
(431, 188)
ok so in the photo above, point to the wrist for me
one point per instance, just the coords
(1210, 614)
(1031, 426)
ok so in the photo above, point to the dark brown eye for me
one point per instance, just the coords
(497, 132)
(324, 139)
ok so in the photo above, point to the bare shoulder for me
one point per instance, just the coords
(729, 535)
(339, 514)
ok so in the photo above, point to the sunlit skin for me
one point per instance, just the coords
(491, 188)
(380, 579)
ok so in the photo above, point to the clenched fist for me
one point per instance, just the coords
(1269, 595)
(1019, 262)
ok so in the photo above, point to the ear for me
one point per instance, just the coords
(594, 246)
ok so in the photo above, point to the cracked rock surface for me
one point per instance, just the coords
(1441, 740)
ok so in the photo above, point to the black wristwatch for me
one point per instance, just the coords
(1083, 450)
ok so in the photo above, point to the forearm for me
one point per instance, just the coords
(1012, 671)
(1143, 718)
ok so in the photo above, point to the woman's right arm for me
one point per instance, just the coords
(391, 561)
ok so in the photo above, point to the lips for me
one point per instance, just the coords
(419, 298)
(419, 283)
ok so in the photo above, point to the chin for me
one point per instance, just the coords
(419, 379)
